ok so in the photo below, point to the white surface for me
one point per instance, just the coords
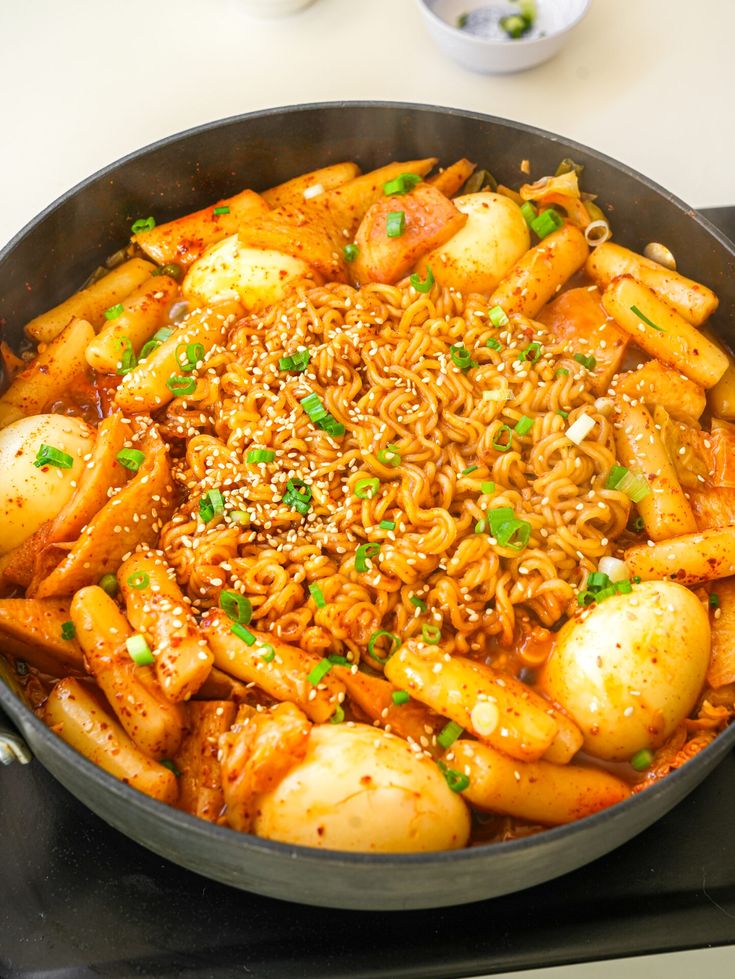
(86, 81)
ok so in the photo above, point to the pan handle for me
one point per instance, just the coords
(12, 746)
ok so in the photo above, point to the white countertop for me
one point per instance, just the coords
(86, 81)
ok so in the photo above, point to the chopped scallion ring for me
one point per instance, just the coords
(193, 353)
(297, 362)
(457, 781)
(638, 524)
(449, 734)
(338, 716)
(418, 602)
(242, 633)
(714, 600)
(387, 525)
(532, 352)
(498, 317)
(641, 316)
(68, 630)
(389, 456)
(317, 594)
(236, 607)
(562, 413)
(143, 224)
(395, 642)
(171, 269)
(211, 504)
(529, 213)
(241, 517)
(113, 312)
(400, 697)
(586, 360)
(431, 633)
(494, 343)
(642, 760)
(401, 184)
(108, 584)
(321, 669)
(499, 445)
(128, 360)
(363, 554)
(547, 222)
(508, 530)
(47, 455)
(181, 386)
(395, 224)
(139, 580)
(462, 357)
(260, 455)
(524, 425)
(222, 209)
(132, 459)
(350, 252)
(561, 372)
(487, 487)
(422, 285)
(171, 766)
(468, 470)
(138, 650)
(267, 652)
(366, 489)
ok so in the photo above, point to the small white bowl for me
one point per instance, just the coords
(493, 54)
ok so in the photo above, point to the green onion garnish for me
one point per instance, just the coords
(449, 734)
(365, 489)
(128, 360)
(480, 527)
(401, 184)
(418, 602)
(167, 763)
(395, 224)
(267, 652)
(615, 475)
(714, 600)
(138, 650)
(547, 222)
(457, 781)
(524, 425)
(312, 405)
(171, 269)
(242, 633)
(222, 209)
(529, 213)
(318, 596)
(561, 372)
(108, 584)
(468, 470)
(562, 413)
(422, 285)
(503, 446)
(298, 496)
(487, 487)
(494, 343)
(319, 672)
(211, 504)
(236, 607)
(642, 316)
(431, 634)
(68, 630)
(241, 517)
(508, 530)
(113, 312)
(498, 317)
(350, 252)
(395, 642)
(636, 579)
(139, 580)
(193, 353)
(363, 553)
(180, 386)
(297, 362)
(260, 455)
(462, 357)
(400, 697)
(143, 224)
(156, 340)
(387, 525)
(339, 660)
(338, 716)
(532, 352)
(638, 524)
(587, 361)
(634, 485)
(389, 456)
(624, 587)
(642, 760)
(132, 459)
(47, 455)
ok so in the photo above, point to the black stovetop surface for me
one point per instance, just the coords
(78, 899)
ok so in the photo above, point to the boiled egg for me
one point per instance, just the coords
(630, 669)
(31, 495)
(477, 257)
(361, 788)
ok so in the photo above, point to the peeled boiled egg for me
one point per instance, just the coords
(477, 257)
(360, 788)
(228, 270)
(630, 669)
(31, 495)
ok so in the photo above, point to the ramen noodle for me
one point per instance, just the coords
(385, 512)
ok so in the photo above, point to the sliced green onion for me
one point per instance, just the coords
(387, 525)
(400, 697)
(529, 213)
(524, 425)
(339, 660)
(418, 602)
(47, 455)
(338, 716)
(363, 553)
(638, 524)
(401, 184)
(193, 354)
(312, 405)
(366, 489)
(128, 360)
(586, 360)
(395, 224)
(222, 209)
(462, 357)
(148, 349)
(241, 517)
(236, 607)
(642, 316)
(108, 584)
(457, 781)
(163, 334)
(242, 633)
(113, 312)
(389, 456)
(132, 459)
(480, 527)
(318, 596)
(561, 372)
(508, 530)
(624, 587)
(143, 224)
(714, 600)
(68, 630)
(423, 285)
(636, 579)
(171, 269)
(180, 386)
(564, 414)
(297, 362)
(547, 222)
(138, 650)
(298, 496)
(395, 642)
(532, 352)
(635, 486)
(468, 470)
(597, 580)
(331, 426)
(615, 475)
(449, 734)
(350, 252)
(139, 580)
(319, 672)
(156, 340)
(494, 343)
(487, 487)
(431, 633)
(267, 652)
(498, 317)
(503, 446)
(211, 504)
(260, 455)
(642, 760)
(171, 766)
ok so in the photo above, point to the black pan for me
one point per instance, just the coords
(54, 254)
